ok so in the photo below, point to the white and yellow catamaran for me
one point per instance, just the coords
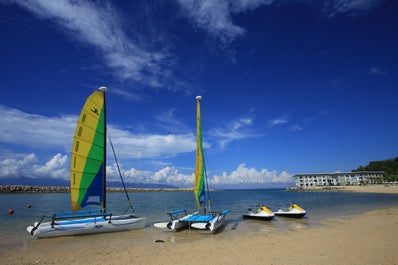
(207, 220)
(88, 181)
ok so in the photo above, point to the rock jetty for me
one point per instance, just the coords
(31, 189)
(59, 189)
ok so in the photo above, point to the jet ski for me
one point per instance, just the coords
(263, 213)
(293, 211)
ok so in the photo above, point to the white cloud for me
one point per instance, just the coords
(242, 177)
(17, 166)
(278, 121)
(99, 25)
(296, 128)
(128, 145)
(215, 16)
(165, 176)
(37, 131)
(57, 167)
(354, 7)
(27, 165)
(247, 176)
(170, 122)
(234, 130)
(171, 176)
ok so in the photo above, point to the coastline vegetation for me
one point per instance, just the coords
(389, 166)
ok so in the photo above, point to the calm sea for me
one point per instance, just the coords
(155, 205)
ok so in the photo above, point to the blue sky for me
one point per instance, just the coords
(288, 87)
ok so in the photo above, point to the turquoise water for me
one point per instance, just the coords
(154, 205)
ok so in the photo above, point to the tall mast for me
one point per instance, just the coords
(199, 188)
(103, 90)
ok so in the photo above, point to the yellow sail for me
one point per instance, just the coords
(87, 169)
(199, 185)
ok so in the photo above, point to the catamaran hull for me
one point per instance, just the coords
(213, 225)
(176, 225)
(86, 226)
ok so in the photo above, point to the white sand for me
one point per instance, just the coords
(370, 238)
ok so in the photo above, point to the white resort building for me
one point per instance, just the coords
(338, 179)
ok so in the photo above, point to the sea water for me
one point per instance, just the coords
(155, 205)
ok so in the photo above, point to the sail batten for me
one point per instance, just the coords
(88, 158)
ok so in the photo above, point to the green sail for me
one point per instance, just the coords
(199, 185)
(87, 169)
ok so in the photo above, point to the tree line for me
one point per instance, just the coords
(389, 166)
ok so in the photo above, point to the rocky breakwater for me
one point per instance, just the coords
(50, 189)
(31, 189)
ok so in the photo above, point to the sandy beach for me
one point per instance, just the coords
(377, 188)
(391, 189)
(369, 238)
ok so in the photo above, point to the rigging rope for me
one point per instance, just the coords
(207, 193)
(120, 174)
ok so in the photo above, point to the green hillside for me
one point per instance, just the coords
(389, 166)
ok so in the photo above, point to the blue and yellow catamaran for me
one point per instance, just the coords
(88, 181)
(207, 220)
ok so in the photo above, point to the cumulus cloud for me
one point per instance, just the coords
(167, 175)
(241, 177)
(172, 176)
(57, 167)
(246, 176)
(18, 166)
(27, 165)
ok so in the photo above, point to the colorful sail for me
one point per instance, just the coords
(87, 170)
(199, 188)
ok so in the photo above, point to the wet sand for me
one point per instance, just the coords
(370, 238)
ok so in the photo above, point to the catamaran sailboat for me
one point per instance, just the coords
(181, 219)
(88, 181)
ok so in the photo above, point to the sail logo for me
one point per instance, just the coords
(95, 111)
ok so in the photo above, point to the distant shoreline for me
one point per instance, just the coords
(372, 188)
(65, 189)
